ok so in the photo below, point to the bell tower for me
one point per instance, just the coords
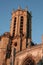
(20, 29)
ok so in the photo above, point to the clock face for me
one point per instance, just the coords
(29, 61)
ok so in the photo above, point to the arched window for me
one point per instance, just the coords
(29, 61)
(21, 24)
(14, 26)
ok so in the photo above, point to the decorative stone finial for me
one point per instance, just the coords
(19, 7)
(26, 8)
(31, 13)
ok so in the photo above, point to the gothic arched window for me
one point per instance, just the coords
(21, 24)
(14, 25)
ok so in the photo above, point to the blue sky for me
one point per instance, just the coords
(36, 6)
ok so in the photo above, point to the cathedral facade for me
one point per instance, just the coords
(16, 46)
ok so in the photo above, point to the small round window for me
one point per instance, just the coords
(15, 43)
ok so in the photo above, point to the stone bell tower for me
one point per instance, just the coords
(20, 29)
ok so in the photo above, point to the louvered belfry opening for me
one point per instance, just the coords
(14, 26)
(21, 24)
